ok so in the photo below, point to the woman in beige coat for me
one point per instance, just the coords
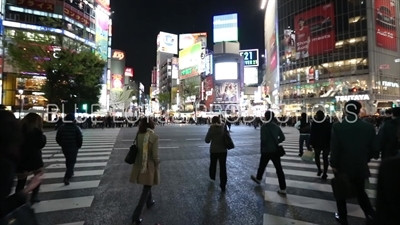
(145, 170)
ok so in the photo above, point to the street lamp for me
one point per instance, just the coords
(20, 91)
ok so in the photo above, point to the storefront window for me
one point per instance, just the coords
(32, 94)
(327, 88)
(387, 86)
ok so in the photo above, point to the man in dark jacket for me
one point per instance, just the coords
(271, 135)
(353, 144)
(389, 136)
(69, 137)
(320, 137)
(388, 195)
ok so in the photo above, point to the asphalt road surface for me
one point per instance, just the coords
(101, 194)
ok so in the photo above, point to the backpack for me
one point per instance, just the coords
(305, 129)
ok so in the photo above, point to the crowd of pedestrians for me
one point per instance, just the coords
(347, 147)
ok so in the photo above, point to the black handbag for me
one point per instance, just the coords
(19, 215)
(280, 150)
(342, 188)
(132, 154)
(228, 140)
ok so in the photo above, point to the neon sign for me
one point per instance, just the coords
(118, 55)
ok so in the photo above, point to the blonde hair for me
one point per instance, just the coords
(32, 121)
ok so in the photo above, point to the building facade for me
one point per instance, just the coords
(83, 21)
(330, 52)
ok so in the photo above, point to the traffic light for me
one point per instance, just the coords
(84, 107)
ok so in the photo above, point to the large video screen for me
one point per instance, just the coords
(385, 24)
(226, 71)
(225, 28)
(250, 75)
(315, 31)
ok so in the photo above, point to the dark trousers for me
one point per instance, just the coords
(325, 155)
(362, 197)
(221, 158)
(145, 198)
(276, 160)
(21, 185)
(70, 155)
(304, 138)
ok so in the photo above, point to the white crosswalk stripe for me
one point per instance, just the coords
(306, 192)
(91, 162)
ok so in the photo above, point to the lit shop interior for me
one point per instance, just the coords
(24, 93)
(303, 88)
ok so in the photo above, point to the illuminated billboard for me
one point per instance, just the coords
(102, 34)
(225, 28)
(250, 57)
(385, 24)
(187, 40)
(315, 31)
(226, 71)
(250, 75)
(189, 61)
(227, 92)
(167, 43)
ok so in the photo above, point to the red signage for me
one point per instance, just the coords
(385, 24)
(40, 5)
(315, 31)
(154, 77)
(128, 72)
(208, 91)
(76, 15)
(272, 49)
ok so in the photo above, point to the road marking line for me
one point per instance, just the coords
(63, 204)
(193, 139)
(271, 219)
(78, 165)
(167, 147)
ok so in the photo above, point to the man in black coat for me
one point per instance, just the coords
(388, 194)
(389, 135)
(353, 144)
(69, 138)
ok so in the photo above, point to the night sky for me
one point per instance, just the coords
(136, 24)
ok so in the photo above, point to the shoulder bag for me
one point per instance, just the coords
(228, 140)
(133, 151)
(281, 150)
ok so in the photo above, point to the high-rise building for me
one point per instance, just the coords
(329, 52)
(86, 21)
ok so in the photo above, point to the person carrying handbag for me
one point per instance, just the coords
(145, 170)
(271, 136)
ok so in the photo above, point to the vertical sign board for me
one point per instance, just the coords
(117, 69)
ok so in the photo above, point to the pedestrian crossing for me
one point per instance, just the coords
(57, 198)
(309, 199)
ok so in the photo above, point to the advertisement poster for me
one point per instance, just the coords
(227, 92)
(225, 28)
(102, 34)
(271, 45)
(117, 82)
(289, 45)
(208, 91)
(40, 5)
(189, 61)
(187, 40)
(167, 43)
(385, 24)
(315, 31)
